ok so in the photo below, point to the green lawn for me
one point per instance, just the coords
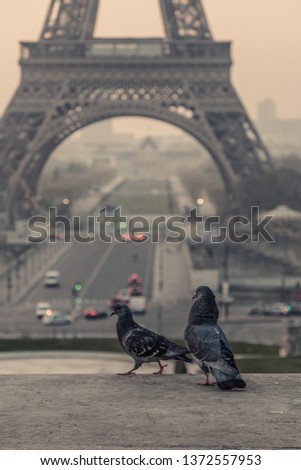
(143, 197)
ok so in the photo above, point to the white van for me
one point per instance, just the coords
(52, 279)
(42, 308)
(138, 304)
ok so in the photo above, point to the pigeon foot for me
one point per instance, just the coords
(207, 382)
(160, 371)
(127, 373)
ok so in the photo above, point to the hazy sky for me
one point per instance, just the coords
(266, 36)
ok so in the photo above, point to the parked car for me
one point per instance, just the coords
(277, 308)
(133, 237)
(116, 300)
(123, 295)
(273, 309)
(135, 291)
(52, 279)
(295, 308)
(94, 313)
(138, 305)
(56, 319)
(135, 286)
(134, 280)
(42, 308)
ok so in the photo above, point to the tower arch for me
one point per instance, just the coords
(71, 79)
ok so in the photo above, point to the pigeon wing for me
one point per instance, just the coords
(143, 343)
(202, 341)
(221, 361)
(207, 343)
(226, 351)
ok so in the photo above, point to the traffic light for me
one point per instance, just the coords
(76, 291)
(78, 287)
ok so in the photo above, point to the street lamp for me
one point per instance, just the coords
(225, 297)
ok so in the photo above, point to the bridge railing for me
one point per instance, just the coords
(22, 273)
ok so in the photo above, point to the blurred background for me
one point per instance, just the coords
(56, 297)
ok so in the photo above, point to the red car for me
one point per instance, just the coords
(133, 237)
(122, 297)
(135, 285)
(94, 313)
(134, 280)
(134, 291)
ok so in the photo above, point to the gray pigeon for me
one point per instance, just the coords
(144, 345)
(208, 344)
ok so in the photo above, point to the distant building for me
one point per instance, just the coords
(182, 150)
(98, 145)
(282, 136)
(148, 163)
(267, 110)
(162, 156)
(104, 163)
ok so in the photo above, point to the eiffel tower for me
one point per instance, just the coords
(71, 79)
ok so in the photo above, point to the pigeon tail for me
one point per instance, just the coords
(182, 357)
(178, 353)
(226, 381)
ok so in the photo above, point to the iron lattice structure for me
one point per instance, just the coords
(71, 79)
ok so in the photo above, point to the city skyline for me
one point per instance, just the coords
(260, 34)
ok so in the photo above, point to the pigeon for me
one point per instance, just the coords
(144, 345)
(208, 344)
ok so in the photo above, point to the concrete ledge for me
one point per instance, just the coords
(148, 412)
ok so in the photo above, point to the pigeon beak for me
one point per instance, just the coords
(194, 296)
(113, 313)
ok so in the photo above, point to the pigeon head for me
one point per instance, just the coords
(204, 308)
(122, 310)
(203, 291)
